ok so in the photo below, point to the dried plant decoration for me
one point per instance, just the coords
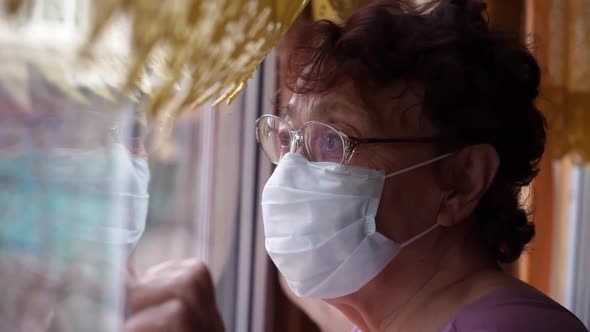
(185, 52)
(335, 10)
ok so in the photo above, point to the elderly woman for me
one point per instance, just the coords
(400, 160)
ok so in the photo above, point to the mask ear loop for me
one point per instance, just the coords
(411, 168)
(415, 238)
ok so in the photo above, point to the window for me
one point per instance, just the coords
(205, 184)
(573, 231)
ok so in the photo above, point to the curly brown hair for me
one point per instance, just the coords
(476, 84)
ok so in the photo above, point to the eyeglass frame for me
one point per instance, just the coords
(350, 143)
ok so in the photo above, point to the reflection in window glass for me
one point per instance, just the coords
(194, 197)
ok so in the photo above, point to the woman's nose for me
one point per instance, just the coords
(297, 145)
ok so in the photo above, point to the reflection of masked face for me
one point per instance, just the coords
(99, 196)
(67, 212)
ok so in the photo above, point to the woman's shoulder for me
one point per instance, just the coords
(514, 309)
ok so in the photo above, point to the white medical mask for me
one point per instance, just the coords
(319, 224)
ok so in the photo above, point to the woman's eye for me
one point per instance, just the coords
(331, 142)
(284, 139)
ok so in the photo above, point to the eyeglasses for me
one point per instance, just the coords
(319, 141)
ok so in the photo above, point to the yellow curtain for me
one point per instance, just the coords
(561, 41)
(560, 35)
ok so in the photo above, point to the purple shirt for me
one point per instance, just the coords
(513, 310)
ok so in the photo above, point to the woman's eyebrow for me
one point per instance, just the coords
(335, 107)
(323, 107)
(327, 106)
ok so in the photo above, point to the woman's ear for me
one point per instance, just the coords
(473, 171)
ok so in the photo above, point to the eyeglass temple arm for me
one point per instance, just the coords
(397, 140)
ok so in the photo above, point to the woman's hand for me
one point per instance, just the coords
(174, 297)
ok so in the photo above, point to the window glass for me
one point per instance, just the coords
(195, 195)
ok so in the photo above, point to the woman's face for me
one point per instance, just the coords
(409, 201)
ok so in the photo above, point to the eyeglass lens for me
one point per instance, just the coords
(321, 143)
